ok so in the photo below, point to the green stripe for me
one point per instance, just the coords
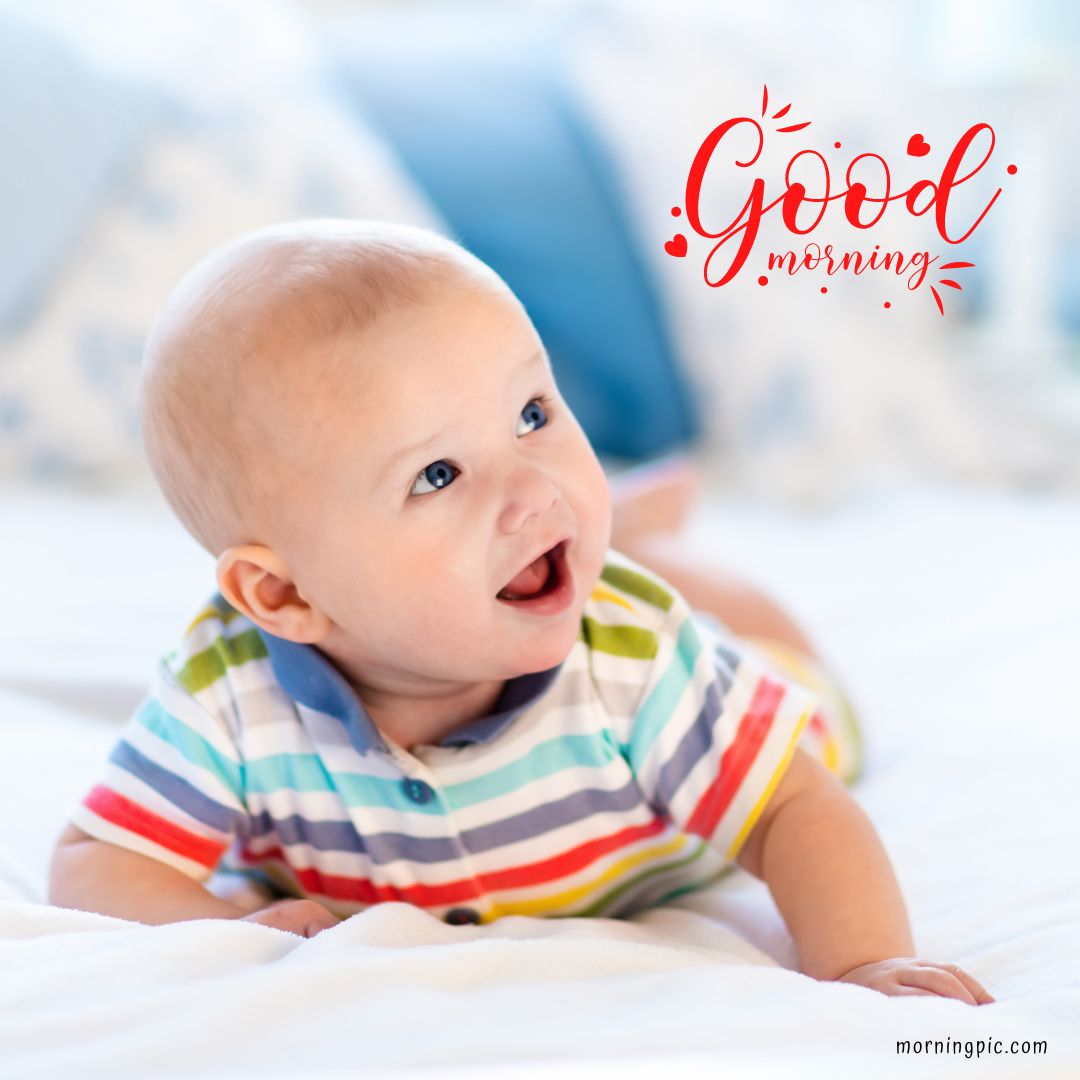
(191, 745)
(853, 735)
(661, 704)
(208, 666)
(609, 898)
(635, 584)
(219, 608)
(634, 642)
(695, 886)
(228, 615)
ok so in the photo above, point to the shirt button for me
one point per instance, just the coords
(418, 790)
(460, 915)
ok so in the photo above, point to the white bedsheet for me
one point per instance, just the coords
(954, 618)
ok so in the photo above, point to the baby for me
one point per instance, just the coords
(426, 675)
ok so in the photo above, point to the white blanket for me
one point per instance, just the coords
(954, 619)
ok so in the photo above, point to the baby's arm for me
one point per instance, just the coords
(92, 875)
(833, 883)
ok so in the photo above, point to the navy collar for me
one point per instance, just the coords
(310, 677)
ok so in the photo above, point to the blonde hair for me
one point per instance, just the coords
(236, 333)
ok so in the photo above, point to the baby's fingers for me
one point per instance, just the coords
(937, 981)
(900, 990)
(979, 992)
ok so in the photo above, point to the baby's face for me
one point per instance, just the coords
(450, 463)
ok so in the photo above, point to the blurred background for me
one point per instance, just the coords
(904, 484)
(552, 139)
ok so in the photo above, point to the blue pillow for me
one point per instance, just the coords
(477, 110)
(68, 132)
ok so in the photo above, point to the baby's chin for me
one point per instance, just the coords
(540, 661)
(543, 647)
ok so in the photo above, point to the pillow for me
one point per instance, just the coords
(68, 131)
(477, 109)
(227, 153)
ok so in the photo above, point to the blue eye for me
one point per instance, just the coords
(535, 414)
(436, 475)
(441, 473)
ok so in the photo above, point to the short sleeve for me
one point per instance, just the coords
(173, 785)
(714, 729)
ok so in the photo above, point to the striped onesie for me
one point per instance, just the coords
(628, 775)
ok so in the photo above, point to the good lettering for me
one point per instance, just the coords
(809, 186)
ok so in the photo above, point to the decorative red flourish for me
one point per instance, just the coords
(864, 198)
(948, 281)
(779, 113)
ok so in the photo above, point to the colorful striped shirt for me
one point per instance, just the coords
(629, 774)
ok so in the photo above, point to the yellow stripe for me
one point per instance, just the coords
(282, 876)
(212, 611)
(766, 795)
(571, 896)
(831, 755)
(600, 593)
(796, 662)
(826, 747)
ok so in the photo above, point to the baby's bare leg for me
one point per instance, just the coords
(655, 497)
(735, 602)
(650, 505)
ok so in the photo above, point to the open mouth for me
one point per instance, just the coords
(544, 586)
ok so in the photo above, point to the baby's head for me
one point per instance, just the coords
(359, 421)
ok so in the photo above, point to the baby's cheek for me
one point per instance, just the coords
(599, 504)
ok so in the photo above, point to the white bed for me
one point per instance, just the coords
(954, 617)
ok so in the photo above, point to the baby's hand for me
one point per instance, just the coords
(304, 917)
(909, 975)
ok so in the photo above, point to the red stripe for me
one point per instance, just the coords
(365, 891)
(117, 810)
(737, 759)
(815, 723)
(558, 866)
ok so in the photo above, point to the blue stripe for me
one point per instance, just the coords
(387, 847)
(696, 742)
(172, 730)
(664, 699)
(307, 773)
(177, 791)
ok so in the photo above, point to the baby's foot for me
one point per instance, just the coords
(653, 498)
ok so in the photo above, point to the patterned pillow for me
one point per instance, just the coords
(224, 156)
(67, 130)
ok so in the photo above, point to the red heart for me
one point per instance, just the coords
(676, 246)
(917, 146)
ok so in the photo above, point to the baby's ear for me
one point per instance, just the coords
(254, 579)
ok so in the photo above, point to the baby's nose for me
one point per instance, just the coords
(529, 493)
